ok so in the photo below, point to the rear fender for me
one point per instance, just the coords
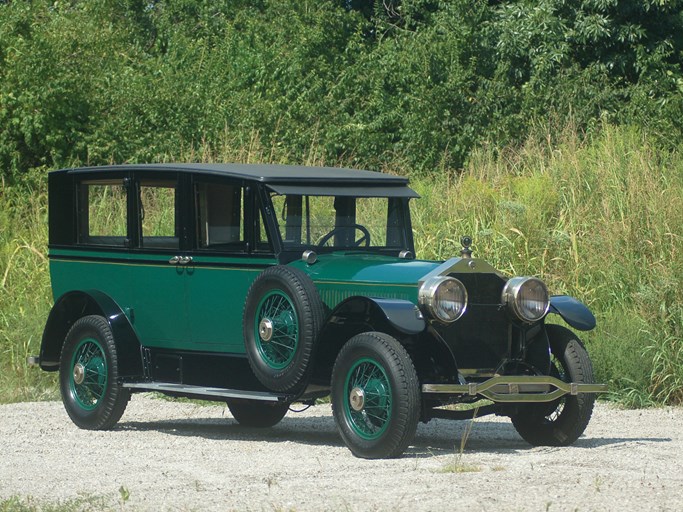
(572, 311)
(76, 304)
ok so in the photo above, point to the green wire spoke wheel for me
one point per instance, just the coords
(88, 381)
(375, 396)
(369, 403)
(88, 375)
(276, 330)
(282, 317)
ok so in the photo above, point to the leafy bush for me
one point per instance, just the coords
(422, 82)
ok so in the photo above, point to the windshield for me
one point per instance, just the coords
(334, 223)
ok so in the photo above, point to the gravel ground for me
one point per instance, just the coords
(183, 456)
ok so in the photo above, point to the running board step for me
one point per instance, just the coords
(185, 389)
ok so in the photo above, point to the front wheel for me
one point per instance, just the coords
(375, 396)
(88, 375)
(561, 422)
(256, 414)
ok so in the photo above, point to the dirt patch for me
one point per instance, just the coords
(182, 456)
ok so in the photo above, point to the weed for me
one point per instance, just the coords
(598, 483)
(124, 495)
(458, 466)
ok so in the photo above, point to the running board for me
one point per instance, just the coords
(517, 388)
(185, 389)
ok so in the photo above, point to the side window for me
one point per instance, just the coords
(219, 213)
(102, 213)
(159, 214)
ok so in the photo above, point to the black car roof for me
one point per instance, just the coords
(283, 179)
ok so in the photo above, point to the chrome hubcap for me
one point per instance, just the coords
(79, 373)
(357, 399)
(265, 329)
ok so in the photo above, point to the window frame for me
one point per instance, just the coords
(181, 205)
(251, 197)
(400, 211)
(79, 209)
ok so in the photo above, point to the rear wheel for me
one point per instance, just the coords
(91, 393)
(561, 422)
(375, 396)
(257, 414)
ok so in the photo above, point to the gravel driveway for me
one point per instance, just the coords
(181, 456)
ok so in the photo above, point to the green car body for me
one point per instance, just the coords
(265, 285)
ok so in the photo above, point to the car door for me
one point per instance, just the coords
(158, 260)
(230, 249)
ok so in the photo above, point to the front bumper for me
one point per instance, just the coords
(516, 389)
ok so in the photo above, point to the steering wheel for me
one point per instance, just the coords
(357, 243)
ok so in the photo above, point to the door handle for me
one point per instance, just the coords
(180, 260)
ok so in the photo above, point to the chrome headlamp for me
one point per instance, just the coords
(527, 297)
(444, 298)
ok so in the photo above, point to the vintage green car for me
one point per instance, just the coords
(263, 285)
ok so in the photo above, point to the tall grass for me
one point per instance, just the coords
(599, 219)
(25, 296)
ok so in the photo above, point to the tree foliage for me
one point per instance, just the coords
(421, 82)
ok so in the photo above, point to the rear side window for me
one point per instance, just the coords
(103, 213)
(159, 214)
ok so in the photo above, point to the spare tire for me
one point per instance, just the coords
(282, 316)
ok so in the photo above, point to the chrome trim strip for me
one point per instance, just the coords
(514, 388)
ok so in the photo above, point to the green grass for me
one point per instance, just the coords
(85, 504)
(25, 296)
(600, 219)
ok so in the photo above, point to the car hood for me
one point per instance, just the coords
(357, 268)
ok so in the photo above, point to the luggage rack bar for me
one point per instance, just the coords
(516, 388)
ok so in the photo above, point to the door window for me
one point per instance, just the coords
(220, 224)
(102, 212)
(159, 214)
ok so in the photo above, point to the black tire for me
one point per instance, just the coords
(375, 396)
(279, 356)
(257, 414)
(88, 375)
(561, 422)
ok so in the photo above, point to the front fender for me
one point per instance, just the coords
(573, 311)
(76, 304)
(402, 315)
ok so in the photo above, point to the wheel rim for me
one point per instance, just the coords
(88, 378)
(368, 400)
(276, 330)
